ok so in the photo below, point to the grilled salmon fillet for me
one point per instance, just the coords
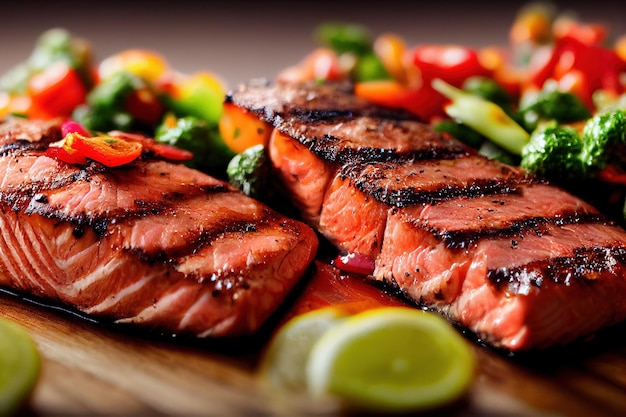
(152, 243)
(521, 263)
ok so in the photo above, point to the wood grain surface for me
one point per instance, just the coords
(99, 370)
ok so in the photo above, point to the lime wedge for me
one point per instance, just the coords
(19, 366)
(283, 361)
(391, 359)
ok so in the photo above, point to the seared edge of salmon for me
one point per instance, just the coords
(152, 243)
(521, 263)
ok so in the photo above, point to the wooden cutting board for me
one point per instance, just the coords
(93, 369)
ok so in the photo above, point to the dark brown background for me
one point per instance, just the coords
(240, 40)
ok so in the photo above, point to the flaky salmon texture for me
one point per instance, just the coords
(152, 243)
(519, 262)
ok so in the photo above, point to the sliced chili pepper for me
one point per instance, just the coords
(66, 154)
(107, 150)
(110, 151)
(158, 149)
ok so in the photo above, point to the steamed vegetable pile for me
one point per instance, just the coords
(552, 100)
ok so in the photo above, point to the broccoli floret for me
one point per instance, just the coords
(105, 106)
(604, 140)
(554, 152)
(552, 104)
(198, 136)
(248, 171)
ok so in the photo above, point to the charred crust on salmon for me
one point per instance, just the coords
(153, 244)
(463, 239)
(332, 102)
(585, 265)
(506, 255)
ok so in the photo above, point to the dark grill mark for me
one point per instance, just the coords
(315, 116)
(20, 147)
(462, 239)
(303, 115)
(585, 265)
(31, 198)
(206, 237)
(330, 148)
(327, 103)
(403, 197)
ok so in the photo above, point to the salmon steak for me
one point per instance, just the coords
(152, 244)
(519, 262)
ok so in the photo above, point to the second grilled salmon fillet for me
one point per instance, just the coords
(151, 243)
(521, 263)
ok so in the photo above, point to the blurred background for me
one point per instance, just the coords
(241, 40)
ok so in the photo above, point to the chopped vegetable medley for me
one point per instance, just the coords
(550, 99)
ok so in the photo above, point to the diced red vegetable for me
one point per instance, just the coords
(144, 105)
(355, 263)
(452, 63)
(55, 91)
(71, 126)
(600, 67)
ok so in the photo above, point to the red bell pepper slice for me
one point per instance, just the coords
(55, 91)
(451, 63)
(601, 67)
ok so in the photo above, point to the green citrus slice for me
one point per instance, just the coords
(283, 361)
(19, 366)
(391, 359)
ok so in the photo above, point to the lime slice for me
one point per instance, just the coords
(391, 359)
(19, 366)
(283, 361)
